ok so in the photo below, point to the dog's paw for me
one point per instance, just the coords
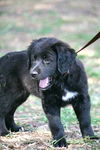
(15, 128)
(60, 143)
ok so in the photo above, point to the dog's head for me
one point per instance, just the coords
(47, 56)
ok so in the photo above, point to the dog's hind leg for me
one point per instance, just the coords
(10, 123)
(3, 129)
(82, 110)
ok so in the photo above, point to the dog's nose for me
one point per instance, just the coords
(34, 74)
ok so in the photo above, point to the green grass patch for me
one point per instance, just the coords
(97, 51)
(93, 71)
(5, 28)
(43, 119)
(44, 30)
(83, 36)
(82, 56)
(80, 37)
(95, 120)
(0, 54)
(21, 29)
(68, 116)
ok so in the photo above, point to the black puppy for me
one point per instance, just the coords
(15, 86)
(50, 70)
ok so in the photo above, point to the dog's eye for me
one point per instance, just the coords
(35, 57)
(46, 59)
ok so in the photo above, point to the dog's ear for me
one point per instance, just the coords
(65, 57)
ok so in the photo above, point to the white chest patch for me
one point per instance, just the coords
(69, 95)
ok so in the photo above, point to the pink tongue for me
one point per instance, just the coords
(44, 83)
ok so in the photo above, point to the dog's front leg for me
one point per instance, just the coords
(82, 110)
(53, 114)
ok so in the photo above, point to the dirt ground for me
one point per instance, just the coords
(74, 21)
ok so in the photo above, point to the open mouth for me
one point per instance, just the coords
(45, 83)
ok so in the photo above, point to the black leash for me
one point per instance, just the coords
(96, 37)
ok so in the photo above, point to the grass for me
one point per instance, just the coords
(5, 28)
(97, 52)
(68, 116)
(93, 72)
(1, 54)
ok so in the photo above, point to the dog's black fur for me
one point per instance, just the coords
(21, 74)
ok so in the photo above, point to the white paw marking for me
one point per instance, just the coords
(69, 95)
